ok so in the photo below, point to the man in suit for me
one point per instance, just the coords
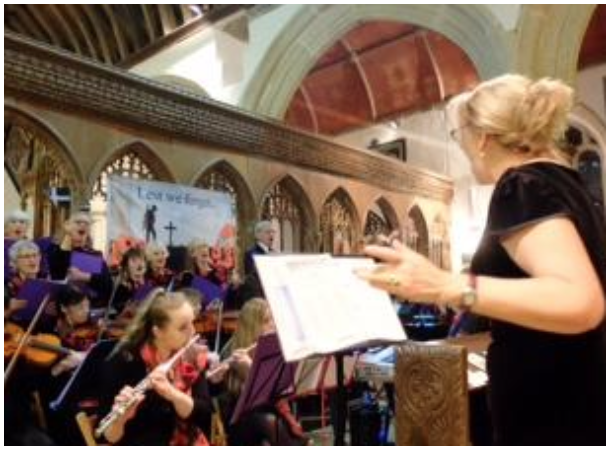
(264, 238)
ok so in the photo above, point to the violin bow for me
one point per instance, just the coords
(24, 339)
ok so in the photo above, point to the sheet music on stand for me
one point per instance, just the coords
(321, 307)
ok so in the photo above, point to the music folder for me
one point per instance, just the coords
(210, 291)
(269, 378)
(86, 262)
(143, 291)
(34, 291)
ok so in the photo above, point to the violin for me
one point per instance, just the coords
(41, 349)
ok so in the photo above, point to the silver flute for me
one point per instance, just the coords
(142, 387)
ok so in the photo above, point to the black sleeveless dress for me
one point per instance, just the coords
(545, 388)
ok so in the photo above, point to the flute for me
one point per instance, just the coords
(228, 361)
(141, 388)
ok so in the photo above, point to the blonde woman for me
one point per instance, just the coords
(269, 425)
(539, 271)
(157, 259)
(177, 409)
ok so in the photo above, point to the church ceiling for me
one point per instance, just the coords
(115, 34)
(381, 70)
(377, 71)
(593, 49)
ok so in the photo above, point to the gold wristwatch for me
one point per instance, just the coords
(469, 294)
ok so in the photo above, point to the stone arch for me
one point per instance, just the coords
(549, 38)
(339, 224)
(244, 204)
(316, 27)
(416, 231)
(136, 159)
(37, 158)
(306, 224)
(388, 216)
(142, 151)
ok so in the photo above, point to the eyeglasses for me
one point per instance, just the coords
(28, 256)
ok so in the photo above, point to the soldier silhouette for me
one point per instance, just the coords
(149, 223)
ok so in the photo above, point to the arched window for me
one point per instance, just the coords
(375, 225)
(39, 163)
(223, 177)
(281, 207)
(416, 235)
(129, 164)
(338, 224)
(217, 180)
(381, 219)
(135, 161)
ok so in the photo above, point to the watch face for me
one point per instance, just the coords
(468, 299)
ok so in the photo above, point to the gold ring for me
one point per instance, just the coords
(393, 281)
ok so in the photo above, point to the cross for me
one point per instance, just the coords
(170, 228)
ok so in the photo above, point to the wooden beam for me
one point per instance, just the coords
(167, 18)
(117, 31)
(76, 18)
(66, 28)
(187, 13)
(101, 35)
(40, 18)
(149, 22)
(34, 30)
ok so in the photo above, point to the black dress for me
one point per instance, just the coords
(545, 388)
(155, 419)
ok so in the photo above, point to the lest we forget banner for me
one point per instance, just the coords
(142, 211)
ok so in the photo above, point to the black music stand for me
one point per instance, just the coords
(270, 377)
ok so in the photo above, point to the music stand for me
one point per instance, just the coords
(270, 377)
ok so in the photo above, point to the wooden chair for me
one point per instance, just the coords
(86, 425)
(431, 395)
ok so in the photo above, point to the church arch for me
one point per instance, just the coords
(287, 206)
(38, 159)
(222, 176)
(549, 38)
(416, 234)
(339, 224)
(135, 160)
(380, 219)
(288, 60)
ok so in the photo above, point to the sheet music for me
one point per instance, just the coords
(320, 306)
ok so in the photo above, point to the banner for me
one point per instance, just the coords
(141, 211)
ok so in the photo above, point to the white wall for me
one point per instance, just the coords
(590, 89)
(430, 147)
(11, 196)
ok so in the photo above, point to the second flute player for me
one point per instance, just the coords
(177, 408)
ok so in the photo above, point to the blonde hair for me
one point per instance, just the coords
(153, 247)
(193, 247)
(519, 113)
(251, 321)
(154, 311)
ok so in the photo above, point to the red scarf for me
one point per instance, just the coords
(183, 376)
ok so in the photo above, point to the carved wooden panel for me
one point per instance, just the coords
(431, 395)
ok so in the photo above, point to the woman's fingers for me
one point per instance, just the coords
(384, 253)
